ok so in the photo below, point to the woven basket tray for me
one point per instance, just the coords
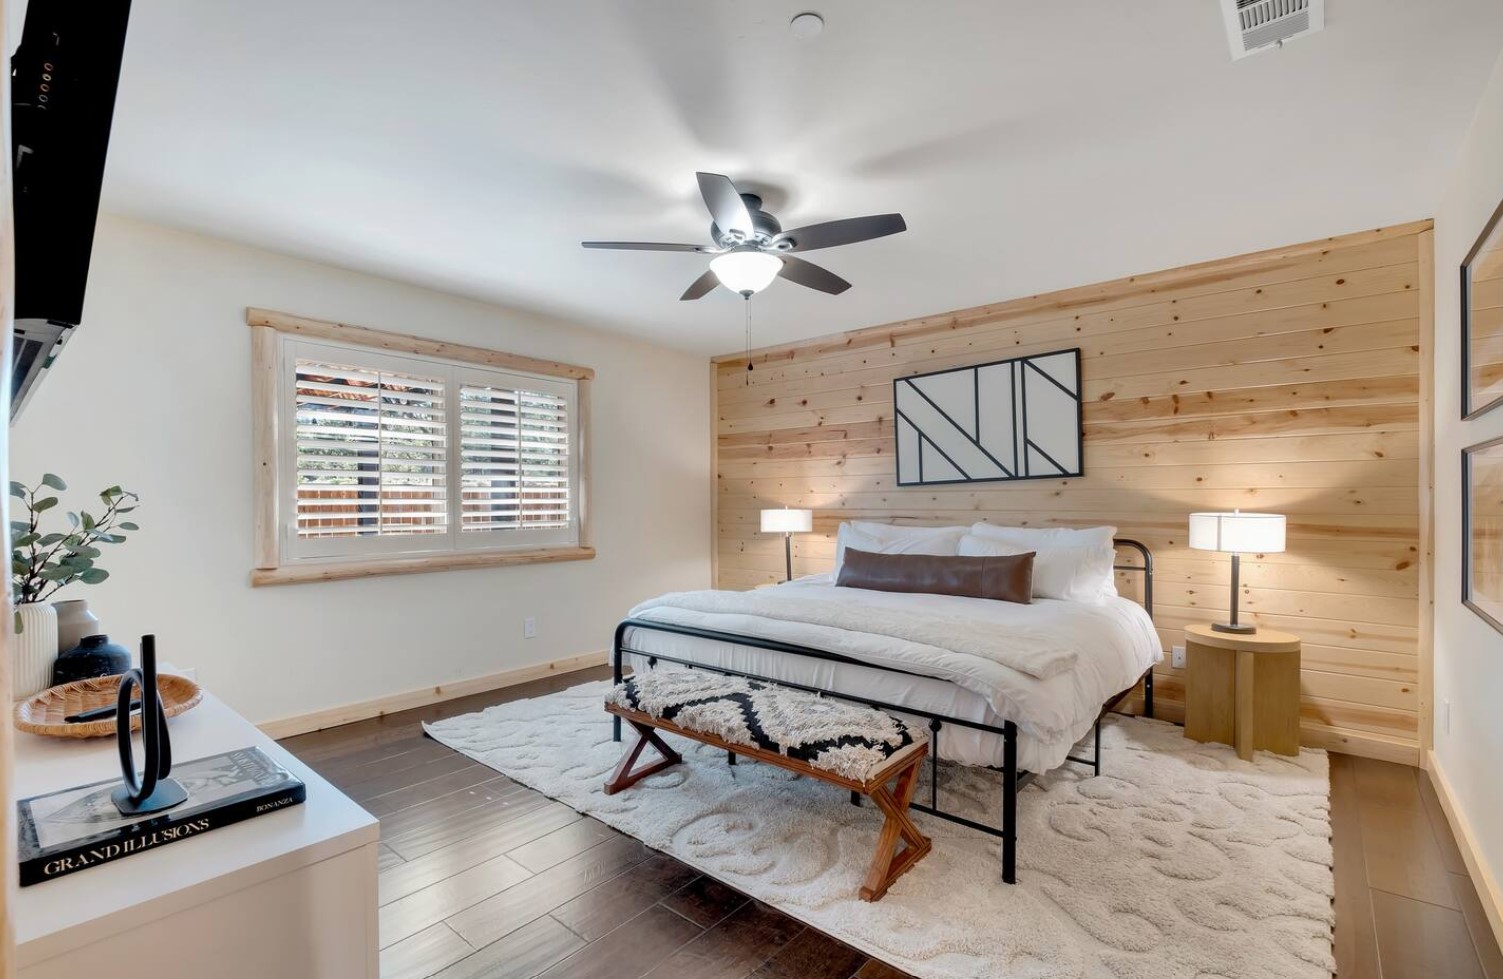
(44, 713)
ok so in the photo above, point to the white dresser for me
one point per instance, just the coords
(290, 893)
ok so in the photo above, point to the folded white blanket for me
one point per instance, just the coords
(1036, 653)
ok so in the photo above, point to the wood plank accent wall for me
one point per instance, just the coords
(1285, 381)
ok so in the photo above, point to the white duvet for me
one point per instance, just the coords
(1048, 666)
(945, 642)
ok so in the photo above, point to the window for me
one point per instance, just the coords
(393, 454)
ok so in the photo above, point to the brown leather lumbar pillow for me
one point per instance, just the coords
(1005, 578)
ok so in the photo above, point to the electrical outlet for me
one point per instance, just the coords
(1177, 657)
(529, 628)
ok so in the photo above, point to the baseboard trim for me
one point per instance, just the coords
(1312, 734)
(286, 727)
(1471, 854)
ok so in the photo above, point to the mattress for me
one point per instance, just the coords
(1114, 642)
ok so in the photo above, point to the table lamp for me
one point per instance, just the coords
(787, 522)
(1237, 532)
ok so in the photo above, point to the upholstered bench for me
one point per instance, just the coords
(858, 748)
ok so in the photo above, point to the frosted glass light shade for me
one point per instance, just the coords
(746, 272)
(1246, 533)
(787, 521)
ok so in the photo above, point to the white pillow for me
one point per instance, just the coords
(884, 538)
(1073, 565)
(1048, 536)
(892, 531)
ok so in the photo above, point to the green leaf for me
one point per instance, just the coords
(93, 576)
(26, 540)
(55, 573)
(88, 520)
(18, 566)
(56, 483)
(127, 525)
(49, 539)
(125, 509)
(88, 551)
(73, 518)
(111, 493)
(46, 504)
(18, 489)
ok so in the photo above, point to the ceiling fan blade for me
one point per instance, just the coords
(645, 246)
(844, 232)
(811, 275)
(725, 204)
(702, 286)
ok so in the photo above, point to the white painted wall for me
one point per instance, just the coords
(1468, 652)
(153, 393)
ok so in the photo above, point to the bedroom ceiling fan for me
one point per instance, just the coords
(751, 248)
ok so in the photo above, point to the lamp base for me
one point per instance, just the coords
(1239, 628)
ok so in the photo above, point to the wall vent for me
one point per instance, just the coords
(1257, 25)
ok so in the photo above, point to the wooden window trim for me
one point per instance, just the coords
(402, 343)
(293, 574)
(269, 568)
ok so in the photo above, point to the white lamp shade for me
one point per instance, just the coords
(746, 272)
(787, 521)
(1245, 533)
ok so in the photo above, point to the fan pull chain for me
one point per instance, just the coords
(748, 341)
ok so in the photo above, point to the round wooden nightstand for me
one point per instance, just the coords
(1242, 690)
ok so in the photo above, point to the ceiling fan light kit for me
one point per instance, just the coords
(746, 271)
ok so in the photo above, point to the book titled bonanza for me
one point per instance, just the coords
(74, 829)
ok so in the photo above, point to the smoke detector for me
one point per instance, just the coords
(1257, 25)
(806, 25)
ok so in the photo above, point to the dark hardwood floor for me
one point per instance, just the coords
(482, 878)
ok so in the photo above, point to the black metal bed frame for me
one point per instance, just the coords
(1012, 779)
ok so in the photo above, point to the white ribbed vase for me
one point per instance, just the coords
(34, 648)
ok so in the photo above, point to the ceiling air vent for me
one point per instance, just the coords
(1256, 25)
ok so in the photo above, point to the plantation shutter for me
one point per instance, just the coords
(515, 463)
(371, 452)
(407, 456)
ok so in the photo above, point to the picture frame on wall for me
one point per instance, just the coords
(1482, 321)
(1482, 530)
(1001, 421)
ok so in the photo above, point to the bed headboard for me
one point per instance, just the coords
(1145, 566)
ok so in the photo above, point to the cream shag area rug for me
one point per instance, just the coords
(1179, 862)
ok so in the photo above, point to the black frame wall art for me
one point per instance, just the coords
(1482, 530)
(1005, 420)
(1482, 320)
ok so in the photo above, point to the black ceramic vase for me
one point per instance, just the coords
(94, 656)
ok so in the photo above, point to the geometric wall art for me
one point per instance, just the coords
(1005, 420)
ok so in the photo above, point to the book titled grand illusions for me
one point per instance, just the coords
(74, 829)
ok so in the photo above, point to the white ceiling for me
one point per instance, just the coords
(469, 145)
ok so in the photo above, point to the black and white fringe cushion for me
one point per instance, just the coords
(836, 736)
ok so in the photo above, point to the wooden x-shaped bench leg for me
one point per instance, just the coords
(623, 777)
(889, 863)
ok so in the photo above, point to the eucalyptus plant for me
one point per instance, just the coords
(41, 563)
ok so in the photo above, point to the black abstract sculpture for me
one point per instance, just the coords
(153, 791)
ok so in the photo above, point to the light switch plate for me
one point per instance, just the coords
(529, 628)
(1177, 657)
